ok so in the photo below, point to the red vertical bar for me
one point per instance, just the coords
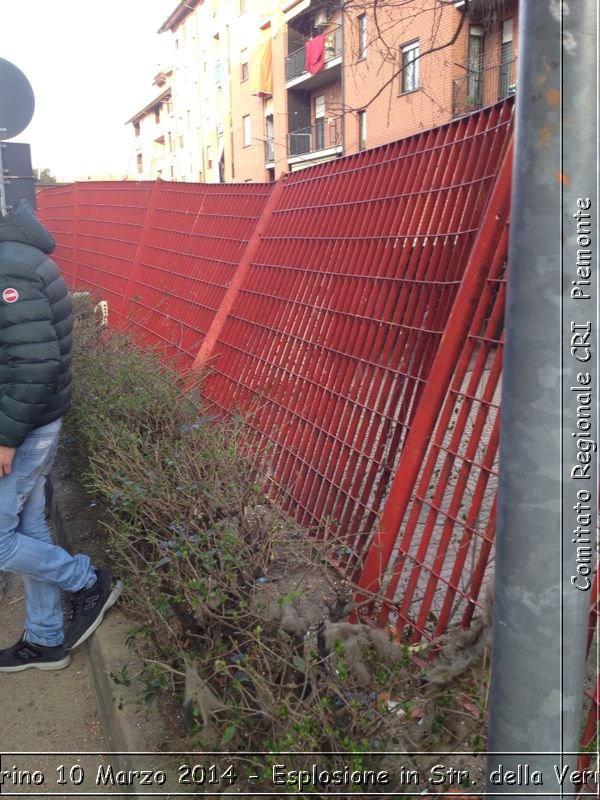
(240, 274)
(76, 215)
(143, 240)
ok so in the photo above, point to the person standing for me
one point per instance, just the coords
(36, 324)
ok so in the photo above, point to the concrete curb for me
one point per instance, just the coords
(127, 728)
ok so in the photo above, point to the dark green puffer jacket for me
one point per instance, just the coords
(36, 324)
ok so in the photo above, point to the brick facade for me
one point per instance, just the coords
(306, 118)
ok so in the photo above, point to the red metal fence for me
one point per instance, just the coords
(161, 254)
(332, 335)
(431, 550)
(333, 320)
(353, 312)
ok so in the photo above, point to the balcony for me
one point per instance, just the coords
(483, 86)
(295, 64)
(316, 142)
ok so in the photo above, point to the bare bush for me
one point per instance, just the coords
(239, 613)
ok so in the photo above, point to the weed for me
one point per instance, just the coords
(121, 676)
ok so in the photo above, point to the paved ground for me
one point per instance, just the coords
(42, 711)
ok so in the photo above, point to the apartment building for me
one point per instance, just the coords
(417, 65)
(153, 145)
(261, 87)
(223, 89)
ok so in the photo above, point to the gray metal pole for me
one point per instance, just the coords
(548, 487)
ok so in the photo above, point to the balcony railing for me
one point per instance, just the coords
(323, 135)
(483, 87)
(295, 63)
(269, 150)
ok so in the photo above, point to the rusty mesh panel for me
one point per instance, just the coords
(98, 235)
(442, 563)
(442, 558)
(331, 338)
(194, 238)
(161, 254)
(56, 209)
(110, 218)
(590, 739)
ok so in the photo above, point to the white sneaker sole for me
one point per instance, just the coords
(46, 666)
(110, 601)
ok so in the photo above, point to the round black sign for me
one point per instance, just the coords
(16, 100)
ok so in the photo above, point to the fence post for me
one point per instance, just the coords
(142, 241)
(548, 491)
(417, 441)
(216, 326)
(76, 193)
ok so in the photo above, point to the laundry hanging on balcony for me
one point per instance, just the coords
(315, 54)
(262, 71)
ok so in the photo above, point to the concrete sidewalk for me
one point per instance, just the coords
(42, 712)
(79, 715)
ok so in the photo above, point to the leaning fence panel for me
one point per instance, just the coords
(192, 243)
(57, 207)
(332, 336)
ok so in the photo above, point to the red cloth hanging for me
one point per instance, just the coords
(315, 54)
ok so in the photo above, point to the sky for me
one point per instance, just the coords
(90, 64)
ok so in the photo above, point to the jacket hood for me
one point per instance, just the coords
(22, 225)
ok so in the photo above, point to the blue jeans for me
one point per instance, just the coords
(26, 546)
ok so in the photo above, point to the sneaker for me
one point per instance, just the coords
(88, 607)
(27, 655)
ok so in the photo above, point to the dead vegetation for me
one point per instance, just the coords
(240, 617)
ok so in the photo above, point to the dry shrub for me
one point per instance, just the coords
(238, 612)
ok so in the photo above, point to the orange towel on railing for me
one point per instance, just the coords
(262, 71)
(315, 54)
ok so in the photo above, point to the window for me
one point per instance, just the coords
(320, 122)
(247, 130)
(136, 128)
(362, 36)
(140, 162)
(410, 66)
(209, 156)
(218, 73)
(270, 139)
(362, 130)
(242, 6)
(506, 82)
(475, 66)
(157, 115)
(244, 65)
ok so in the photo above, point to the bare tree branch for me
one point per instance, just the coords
(400, 70)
